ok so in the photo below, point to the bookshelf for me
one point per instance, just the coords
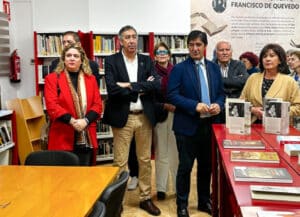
(30, 118)
(8, 145)
(48, 47)
(105, 44)
(177, 44)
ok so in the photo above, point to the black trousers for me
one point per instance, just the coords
(85, 155)
(190, 148)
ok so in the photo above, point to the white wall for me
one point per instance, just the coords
(159, 16)
(60, 15)
(21, 38)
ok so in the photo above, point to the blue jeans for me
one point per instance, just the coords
(190, 148)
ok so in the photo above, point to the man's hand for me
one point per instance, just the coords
(150, 78)
(202, 108)
(124, 84)
(214, 109)
(169, 107)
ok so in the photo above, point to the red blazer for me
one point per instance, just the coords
(59, 102)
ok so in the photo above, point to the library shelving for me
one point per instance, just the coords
(177, 44)
(8, 147)
(30, 119)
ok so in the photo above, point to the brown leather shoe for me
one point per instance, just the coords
(149, 207)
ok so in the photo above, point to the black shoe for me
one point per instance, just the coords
(161, 195)
(205, 207)
(149, 207)
(183, 212)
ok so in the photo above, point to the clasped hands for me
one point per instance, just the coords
(203, 108)
(78, 124)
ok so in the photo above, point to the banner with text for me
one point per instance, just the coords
(248, 24)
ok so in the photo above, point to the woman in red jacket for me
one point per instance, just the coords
(73, 104)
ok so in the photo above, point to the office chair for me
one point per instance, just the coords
(99, 210)
(52, 158)
(113, 195)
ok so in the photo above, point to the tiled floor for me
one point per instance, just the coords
(167, 207)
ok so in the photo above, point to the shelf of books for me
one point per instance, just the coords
(177, 45)
(105, 142)
(48, 47)
(8, 149)
(251, 176)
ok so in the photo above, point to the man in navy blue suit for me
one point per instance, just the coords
(195, 87)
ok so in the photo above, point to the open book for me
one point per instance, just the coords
(211, 28)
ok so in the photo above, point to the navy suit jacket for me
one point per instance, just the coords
(184, 92)
(119, 99)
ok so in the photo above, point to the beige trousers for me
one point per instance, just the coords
(138, 126)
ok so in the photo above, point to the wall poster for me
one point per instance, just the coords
(248, 24)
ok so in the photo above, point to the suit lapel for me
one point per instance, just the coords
(192, 72)
(275, 87)
(140, 68)
(122, 67)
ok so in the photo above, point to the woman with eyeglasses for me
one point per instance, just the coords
(165, 144)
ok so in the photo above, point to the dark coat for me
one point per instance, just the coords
(119, 99)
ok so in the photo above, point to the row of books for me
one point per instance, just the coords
(5, 133)
(275, 116)
(175, 43)
(101, 61)
(241, 153)
(291, 144)
(103, 128)
(105, 147)
(107, 44)
(49, 45)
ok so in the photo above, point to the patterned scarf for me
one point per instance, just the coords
(79, 100)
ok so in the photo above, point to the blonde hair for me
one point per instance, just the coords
(85, 66)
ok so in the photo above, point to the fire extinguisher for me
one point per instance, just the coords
(15, 67)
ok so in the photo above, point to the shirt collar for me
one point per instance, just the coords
(126, 59)
(199, 61)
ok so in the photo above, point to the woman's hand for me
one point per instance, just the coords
(78, 124)
(257, 111)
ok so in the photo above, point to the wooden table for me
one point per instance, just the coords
(41, 191)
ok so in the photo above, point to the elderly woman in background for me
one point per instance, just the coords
(251, 61)
(166, 155)
(272, 82)
(73, 104)
(295, 66)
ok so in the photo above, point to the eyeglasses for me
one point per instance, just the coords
(161, 52)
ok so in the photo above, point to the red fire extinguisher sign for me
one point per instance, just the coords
(15, 67)
(6, 8)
